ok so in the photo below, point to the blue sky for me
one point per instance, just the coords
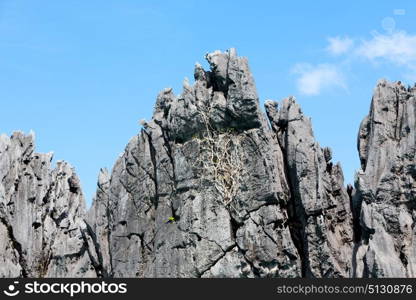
(82, 73)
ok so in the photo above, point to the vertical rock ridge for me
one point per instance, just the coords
(42, 214)
(385, 184)
(321, 215)
(221, 177)
(213, 187)
(213, 163)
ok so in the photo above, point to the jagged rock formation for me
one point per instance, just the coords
(201, 191)
(320, 203)
(42, 231)
(213, 187)
(386, 187)
(208, 189)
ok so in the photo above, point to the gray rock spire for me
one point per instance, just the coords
(386, 188)
(320, 206)
(213, 187)
(42, 227)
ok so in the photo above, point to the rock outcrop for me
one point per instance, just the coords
(320, 206)
(213, 187)
(386, 187)
(42, 211)
(209, 189)
(201, 191)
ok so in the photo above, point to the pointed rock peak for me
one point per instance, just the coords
(232, 52)
(388, 89)
(24, 139)
(289, 110)
(385, 184)
(167, 91)
(163, 101)
(186, 84)
(219, 63)
(199, 73)
(47, 205)
(271, 104)
(224, 97)
(327, 154)
(18, 145)
(290, 103)
(103, 177)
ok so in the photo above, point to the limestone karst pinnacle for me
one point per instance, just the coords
(215, 187)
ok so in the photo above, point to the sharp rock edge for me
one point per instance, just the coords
(43, 232)
(213, 187)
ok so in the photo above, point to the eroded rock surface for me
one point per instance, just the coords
(320, 207)
(386, 188)
(208, 189)
(42, 228)
(201, 191)
(213, 187)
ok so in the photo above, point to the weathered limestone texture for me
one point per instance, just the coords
(386, 188)
(42, 227)
(213, 187)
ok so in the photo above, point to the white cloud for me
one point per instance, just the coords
(398, 48)
(314, 79)
(339, 45)
(393, 47)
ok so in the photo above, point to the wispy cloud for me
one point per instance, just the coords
(398, 48)
(393, 48)
(313, 79)
(339, 45)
